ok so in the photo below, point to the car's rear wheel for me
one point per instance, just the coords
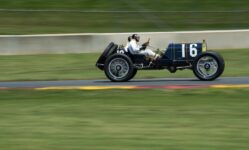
(119, 68)
(133, 74)
(208, 66)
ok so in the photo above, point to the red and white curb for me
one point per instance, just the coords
(89, 88)
(145, 87)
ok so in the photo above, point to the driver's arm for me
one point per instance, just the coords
(145, 45)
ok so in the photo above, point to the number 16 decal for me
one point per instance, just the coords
(192, 50)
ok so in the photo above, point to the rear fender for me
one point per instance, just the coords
(109, 50)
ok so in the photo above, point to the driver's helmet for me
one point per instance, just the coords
(135, 37)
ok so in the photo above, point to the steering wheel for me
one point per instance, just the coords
(144, 45)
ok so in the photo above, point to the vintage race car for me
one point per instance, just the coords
(120, 65)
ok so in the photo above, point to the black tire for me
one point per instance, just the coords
(119, 68)
(133, 74)
(217, 65)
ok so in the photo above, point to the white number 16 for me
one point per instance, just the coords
(192, 50)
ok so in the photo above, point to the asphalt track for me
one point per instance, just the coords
(134, 82)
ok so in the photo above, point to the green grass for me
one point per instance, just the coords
(125, 5)
(125, 120)
(69, 22)
(82, 66)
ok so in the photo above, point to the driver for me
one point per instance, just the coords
(133, 45)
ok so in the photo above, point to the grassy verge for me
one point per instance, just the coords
(120, 119)
(22, 22)
(82, 66)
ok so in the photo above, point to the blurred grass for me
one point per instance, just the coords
(125, 120)
(126, 5)
(12, 22)
(82, 66)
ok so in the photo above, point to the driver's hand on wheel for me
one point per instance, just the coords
(146, 44)
(143, 47)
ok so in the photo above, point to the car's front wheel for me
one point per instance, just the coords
(208, 66)
(119, 68)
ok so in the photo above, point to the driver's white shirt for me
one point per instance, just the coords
(133, 45)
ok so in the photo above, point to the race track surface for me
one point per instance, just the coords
(134, 82)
